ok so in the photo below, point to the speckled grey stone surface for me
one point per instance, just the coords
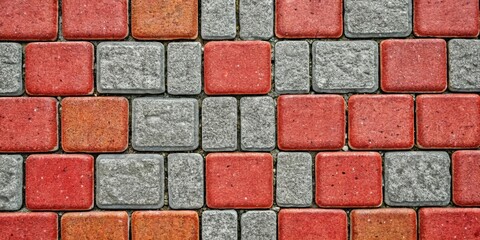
(345, 66)
(130, 67)
(129, 181)
(464, 65)
(257, 123)
(11, 83)
(294, 179)
(165, 124)
(185, 180)
(219, 225)
(256, 19)
(292, 67)
(218, 19)
(420, 178)
(11, 182)
(184, 68)
(219, 124)
(374, 18)
(258, 225)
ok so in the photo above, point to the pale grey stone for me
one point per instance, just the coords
(185, 180)
(219, 225)
(11, 83)
(11, 182)
(257, 123)
(294, 179)
(464, 64)
(218, 20)
(259, 225)
(184, 68)
(292, 67)
(256, 19)
(219, 124)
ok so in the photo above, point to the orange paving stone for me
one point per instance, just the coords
(387, 223)
(95, 226)
(165, 225)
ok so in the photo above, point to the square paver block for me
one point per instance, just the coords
(219, 225)
(256, 19)
(11, 78)
(345, 66)
(466, 178)
(165, 225)
(417, 178)
(130, 67)
(29, 225)
(161, 124)
(312, 224)
(259, 225)
(449, 223)
(257, 123)
(463, 60)
(184, 68)
(385, 223)
(185, 181)
(218, 20)
(100, 225)
(219, 124)
(294, 179)
(130, 181)
(11, 182)
(292, 67)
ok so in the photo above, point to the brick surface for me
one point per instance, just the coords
(417, 178)
(294, 179)
(388, 223)
(310, 122)
(219, 124)
(161, 124)
(449, 223)
(218, 20)
(185, 181)
(11, 82)
(292, 67)
(381, 122)
(184, 68)
(239, 180)
(257, 122)
(95, 225)
(256, 19)
(165, 225)
(413, 65)
(94, 124)
(28, 124)
(466, 178)
(11, 182)
(130, 67)
(59, 182)
(464, 70)
(259, 225)
(130, 181)
(41, 226)
(219, 225)
(448, 121)
(86, 19)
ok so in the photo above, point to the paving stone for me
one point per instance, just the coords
(345, 66)
(386, 223)
(28, 225)
(257, 120)
(130, 181)
(99, 225)
(466, 178)
(375, 19)
(292, 67)
(11, 183)
(417, 178)
(185, 181)
(94, 20)
(219, 225)
(449, 223)
(59, 182)
(294, 179)
(218, 20)
(256, 19)
(219, 124)
(259, 225)
(464, 56)
(184, 68)
(130, 67)
(165, 225)
(59, 68)
(161, 124)
(11, 78)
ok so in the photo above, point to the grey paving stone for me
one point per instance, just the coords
(130, 67)
(373, 18)
(11, 182)
(256, 19)
(345, 66)
(259, 225)
(129, 181)
(218, 19)
(292, 67)
(185, 180)
(464, 65)
(257, 123)
(184, 68)
(165, 124)
(219, 225)
(294, 179)
(11, 83)
(219, 124)
(417, 178)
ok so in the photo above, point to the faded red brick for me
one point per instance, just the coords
(165, 225)
(312, 224)
(95, 225)
(449, 223)
(27, 225)
(466, 178)
(385, 223)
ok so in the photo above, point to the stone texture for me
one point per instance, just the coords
(219, 124)
(185, 181)
(11, 183)
(162, 124)
(294, 179)
(219, 225)
(165, 225)
(11, 78)
(257, 121)
(184, 68)
(387, 223)
(28, 225)
(417, 178)
(95, 225)
(345, 66)
(256, 19)
(218, 20)
(449, 223)
(466, 178)
(129, 181)
(375, 19)
(130, 67)
(292, 67)
(464, 74)
(259, 225)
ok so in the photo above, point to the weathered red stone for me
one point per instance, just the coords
(385, 223)
(95, 225)
(449, 223)
(466, 178)
(165, 225)
(27, 225)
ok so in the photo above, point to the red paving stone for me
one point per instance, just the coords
(165, 225)
(348, 179)
(59, 182)
(387, 223)
(59, 69)
(466, 178)
(22, 225)
(413, 65)
(239, 180)
(311, 122)
(28, 124)
(95, 225)
(241, 67)
(449, 223)
(448, 121)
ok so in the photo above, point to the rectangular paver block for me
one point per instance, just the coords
(219, 124)
(464, 58)
(165, 225)
(386, 223)
(11, 182)
(28, 225)
(292, 67)
(294, 179)
(466, 177)
(219, 225)
(185, 180)
(312, 224)
(184, 68)
(257, 123)
(259, 225)
(218, 20)
(99, 225)
(256, 19)
(449, 223)
(11, 79)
